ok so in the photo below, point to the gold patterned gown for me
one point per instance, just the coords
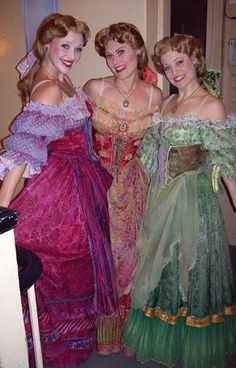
(117, 137)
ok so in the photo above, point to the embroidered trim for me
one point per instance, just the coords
(215, 178)
(193, 121)
(110, 331)
(189, 320)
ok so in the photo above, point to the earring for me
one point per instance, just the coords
(196, 66)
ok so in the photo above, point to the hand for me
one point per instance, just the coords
(231, 186)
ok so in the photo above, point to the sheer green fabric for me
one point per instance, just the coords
(184, 260)
(153, 339)
(148, 153)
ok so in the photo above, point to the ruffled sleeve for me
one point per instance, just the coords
(219, 139)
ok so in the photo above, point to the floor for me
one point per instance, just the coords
(120, 361)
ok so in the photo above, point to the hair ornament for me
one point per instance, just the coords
(26, 64)
(211, 81)
(148, 75)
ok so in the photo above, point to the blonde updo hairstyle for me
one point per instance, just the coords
(55, 25)
(183, 44)
(122, 33)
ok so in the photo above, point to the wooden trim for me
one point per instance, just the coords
(214, 35)
(158, 26)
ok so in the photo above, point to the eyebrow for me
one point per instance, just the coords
(70, 42)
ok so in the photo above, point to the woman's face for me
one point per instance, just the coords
(179, 68)
(121, 59)
(64, 52)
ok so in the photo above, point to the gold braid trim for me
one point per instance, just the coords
(215, 178)
(110, 331)
(190, 320)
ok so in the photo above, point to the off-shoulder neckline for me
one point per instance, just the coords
(187, 119)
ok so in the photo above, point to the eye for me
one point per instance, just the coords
(65, 46)
(107, 56)
(179, 62)
(166, 68)
(78, 49)
(120, 52)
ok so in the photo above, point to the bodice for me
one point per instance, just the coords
(186, 143)
(74, 141)
(117, 133)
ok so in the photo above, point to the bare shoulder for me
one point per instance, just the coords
(157, 96)
(48, 93)
(93, 87)
(214, 109)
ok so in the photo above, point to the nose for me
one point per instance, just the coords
(174, 69)
(72, 54)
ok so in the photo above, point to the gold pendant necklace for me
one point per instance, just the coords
(125, 103)
(176, 106)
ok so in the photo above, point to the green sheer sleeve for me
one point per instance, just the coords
(219, 139)
(148, 153)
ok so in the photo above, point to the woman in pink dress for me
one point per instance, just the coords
(63, 208)
(123, 105)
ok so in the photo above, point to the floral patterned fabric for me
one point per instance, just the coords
(117, 137)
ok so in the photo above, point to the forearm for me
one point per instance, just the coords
(9, 184)
(231, 186)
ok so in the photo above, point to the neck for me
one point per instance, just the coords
(187, 91)
(128, 84)
(52, 74)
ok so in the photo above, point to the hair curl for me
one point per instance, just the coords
(55, 25)
(184, 44)
(122, 33)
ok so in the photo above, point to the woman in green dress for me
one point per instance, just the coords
(183, 303)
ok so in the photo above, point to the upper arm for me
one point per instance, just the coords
(49, 93)
(157, 97)
(92, 88)
(214, 109)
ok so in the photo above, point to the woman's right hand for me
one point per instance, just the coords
(9, 184)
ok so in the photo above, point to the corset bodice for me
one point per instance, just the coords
(74, 141)
(117, 134)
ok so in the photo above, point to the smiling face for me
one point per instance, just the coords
(179, 68)
(63, 53)
(121, 59)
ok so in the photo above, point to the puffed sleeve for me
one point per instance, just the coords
(32, 130)
(219, 139)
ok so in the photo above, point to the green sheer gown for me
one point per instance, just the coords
(184, 308)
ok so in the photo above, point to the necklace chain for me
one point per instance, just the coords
(126, 98)
(175, 108)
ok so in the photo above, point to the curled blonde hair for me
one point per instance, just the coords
(55, 25)
(184, 44)
(122, 33)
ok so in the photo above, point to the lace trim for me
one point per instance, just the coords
(189, 120)
(189, 320)
(73, 108)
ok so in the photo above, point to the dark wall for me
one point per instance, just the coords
(190, 17)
